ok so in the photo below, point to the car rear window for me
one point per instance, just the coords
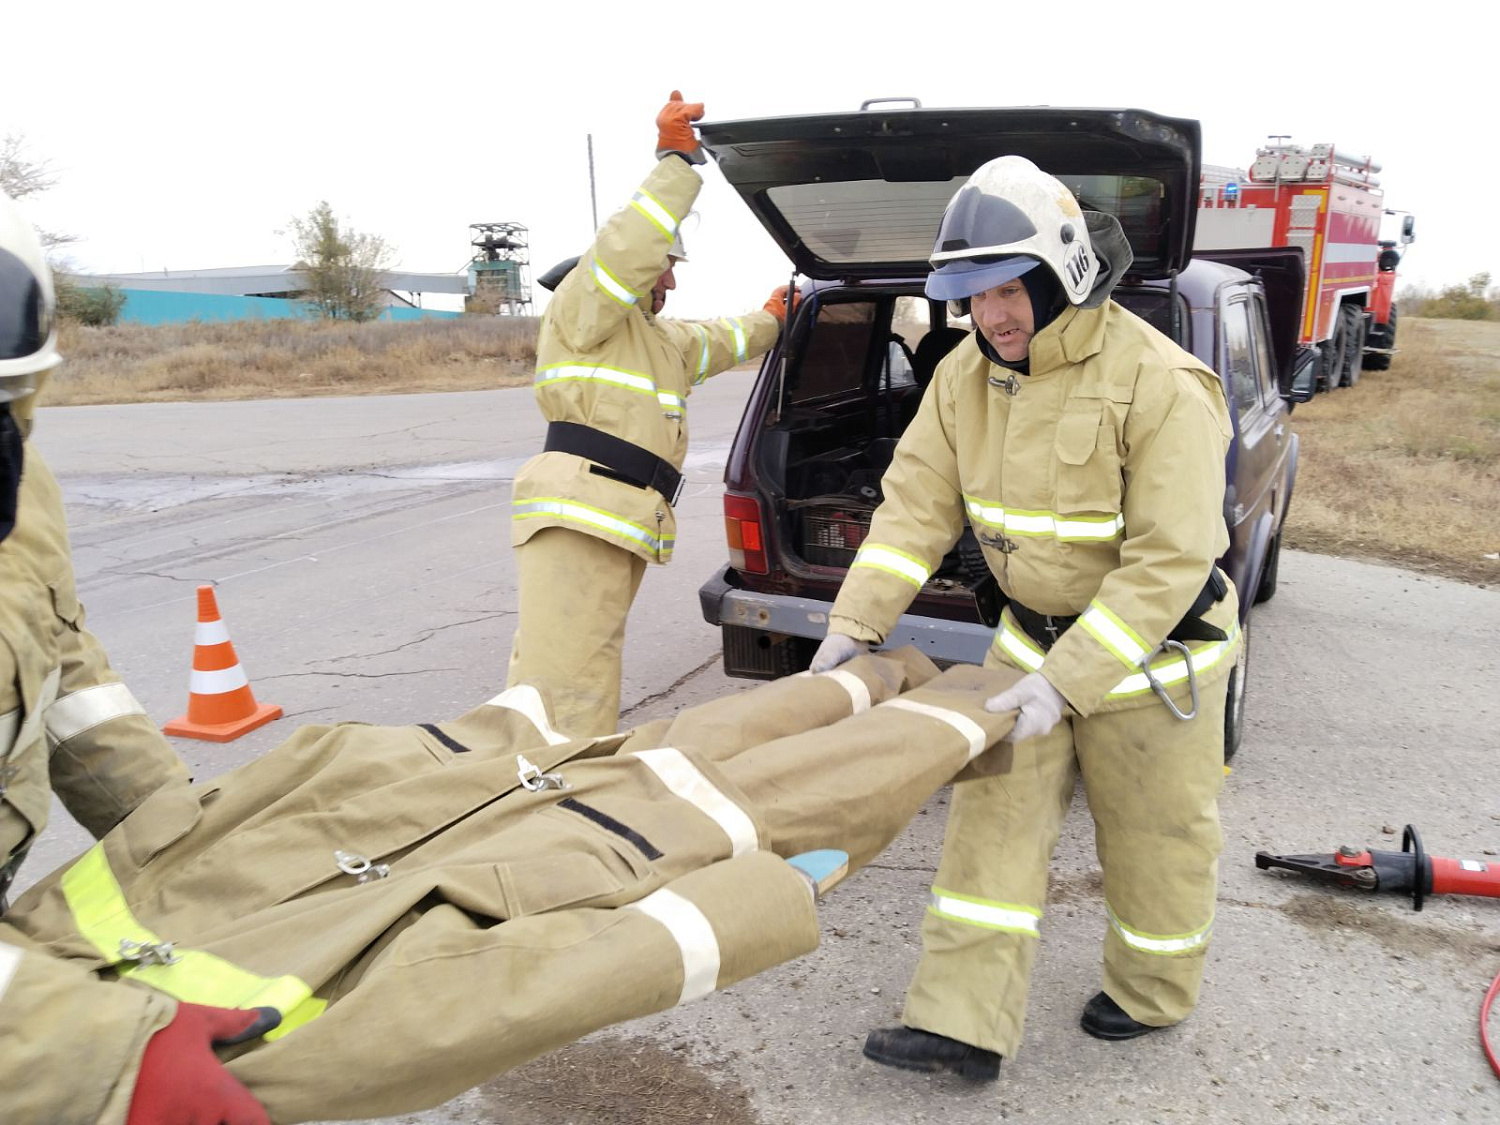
(866, 220)
(852, 221)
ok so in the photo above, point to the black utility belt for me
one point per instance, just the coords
(615, 458)
(1045, 628)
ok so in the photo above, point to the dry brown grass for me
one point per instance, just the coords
(289, 358)
(1405, 467)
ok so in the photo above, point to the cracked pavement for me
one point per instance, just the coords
(361, 553)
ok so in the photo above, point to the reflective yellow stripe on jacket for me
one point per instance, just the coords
(1169, 669)
(989, 513)
(877, 556)
(653, 208)
(592, 519)
(606, 361)
(105, 919)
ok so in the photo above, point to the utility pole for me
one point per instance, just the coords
(593, 203)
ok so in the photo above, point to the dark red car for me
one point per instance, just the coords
(855, 200)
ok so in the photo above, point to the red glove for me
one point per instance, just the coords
(674, 129)
(776, 303)
(182, 1081)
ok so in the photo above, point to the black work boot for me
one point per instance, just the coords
(1104, 1019)
(911, 1049)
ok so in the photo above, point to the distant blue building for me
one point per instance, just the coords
(251, 292)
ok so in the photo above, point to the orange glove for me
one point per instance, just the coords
(674, 129)
(776, 303)
(182, 1082)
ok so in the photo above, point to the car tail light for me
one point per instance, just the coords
(742, 527)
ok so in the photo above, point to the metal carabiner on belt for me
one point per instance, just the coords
(1160, 689)
(534, 780)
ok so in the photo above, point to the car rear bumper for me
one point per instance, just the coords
(785, 615)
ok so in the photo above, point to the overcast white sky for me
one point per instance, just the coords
(187, 135)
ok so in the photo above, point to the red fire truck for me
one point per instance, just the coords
(1329, 203)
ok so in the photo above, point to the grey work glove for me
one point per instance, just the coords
(1039, 703)
(835, 650)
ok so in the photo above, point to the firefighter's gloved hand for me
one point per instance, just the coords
(674, 129)
(776, 303)
(835, 650)
(1040, 705)
(182, 1082)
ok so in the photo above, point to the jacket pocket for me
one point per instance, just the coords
(555, 882)
(1088, 463)
(577, 863)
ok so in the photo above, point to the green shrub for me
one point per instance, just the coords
(94, 306)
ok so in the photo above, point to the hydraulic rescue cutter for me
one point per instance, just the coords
(1410, 871)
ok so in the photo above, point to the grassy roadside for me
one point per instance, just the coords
(1405, 466)
(289, 359)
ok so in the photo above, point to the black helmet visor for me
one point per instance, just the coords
(24, 321)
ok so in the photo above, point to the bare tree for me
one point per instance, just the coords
(342, 266)
(21, 176)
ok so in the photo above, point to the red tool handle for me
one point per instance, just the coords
(1464, 877)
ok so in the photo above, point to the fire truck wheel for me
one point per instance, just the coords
(1383, 337)
(1349, 329)
(1354, 344)
(1333, 359)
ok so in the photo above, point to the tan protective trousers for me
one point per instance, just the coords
(1152, 784)
(575, 593)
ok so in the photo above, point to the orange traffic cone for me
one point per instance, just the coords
(221, 706)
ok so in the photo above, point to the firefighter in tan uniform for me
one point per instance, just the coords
(613, 380)
(73, 1049)
(1087, 451)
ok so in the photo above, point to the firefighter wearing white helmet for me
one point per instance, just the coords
(75, 1048)
(1087, 451)
(613, 379)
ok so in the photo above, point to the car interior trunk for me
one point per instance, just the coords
(858, 372)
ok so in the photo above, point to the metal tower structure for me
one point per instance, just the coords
(499, 272)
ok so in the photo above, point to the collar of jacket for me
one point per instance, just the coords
(1073, 337)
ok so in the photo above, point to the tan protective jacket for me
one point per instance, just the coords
(1097, 488)
(428, 908)
(67, 726)
(603, 360)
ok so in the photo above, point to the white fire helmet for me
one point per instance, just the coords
(1007, 218)
(678, 252)
(28, 329)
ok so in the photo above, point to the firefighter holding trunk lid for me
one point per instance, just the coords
(612, 380)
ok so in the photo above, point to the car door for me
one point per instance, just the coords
(1248, 498)
(1275, 410)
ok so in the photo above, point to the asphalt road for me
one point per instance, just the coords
(360, 548)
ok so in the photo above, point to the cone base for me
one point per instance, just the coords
(223, 732)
